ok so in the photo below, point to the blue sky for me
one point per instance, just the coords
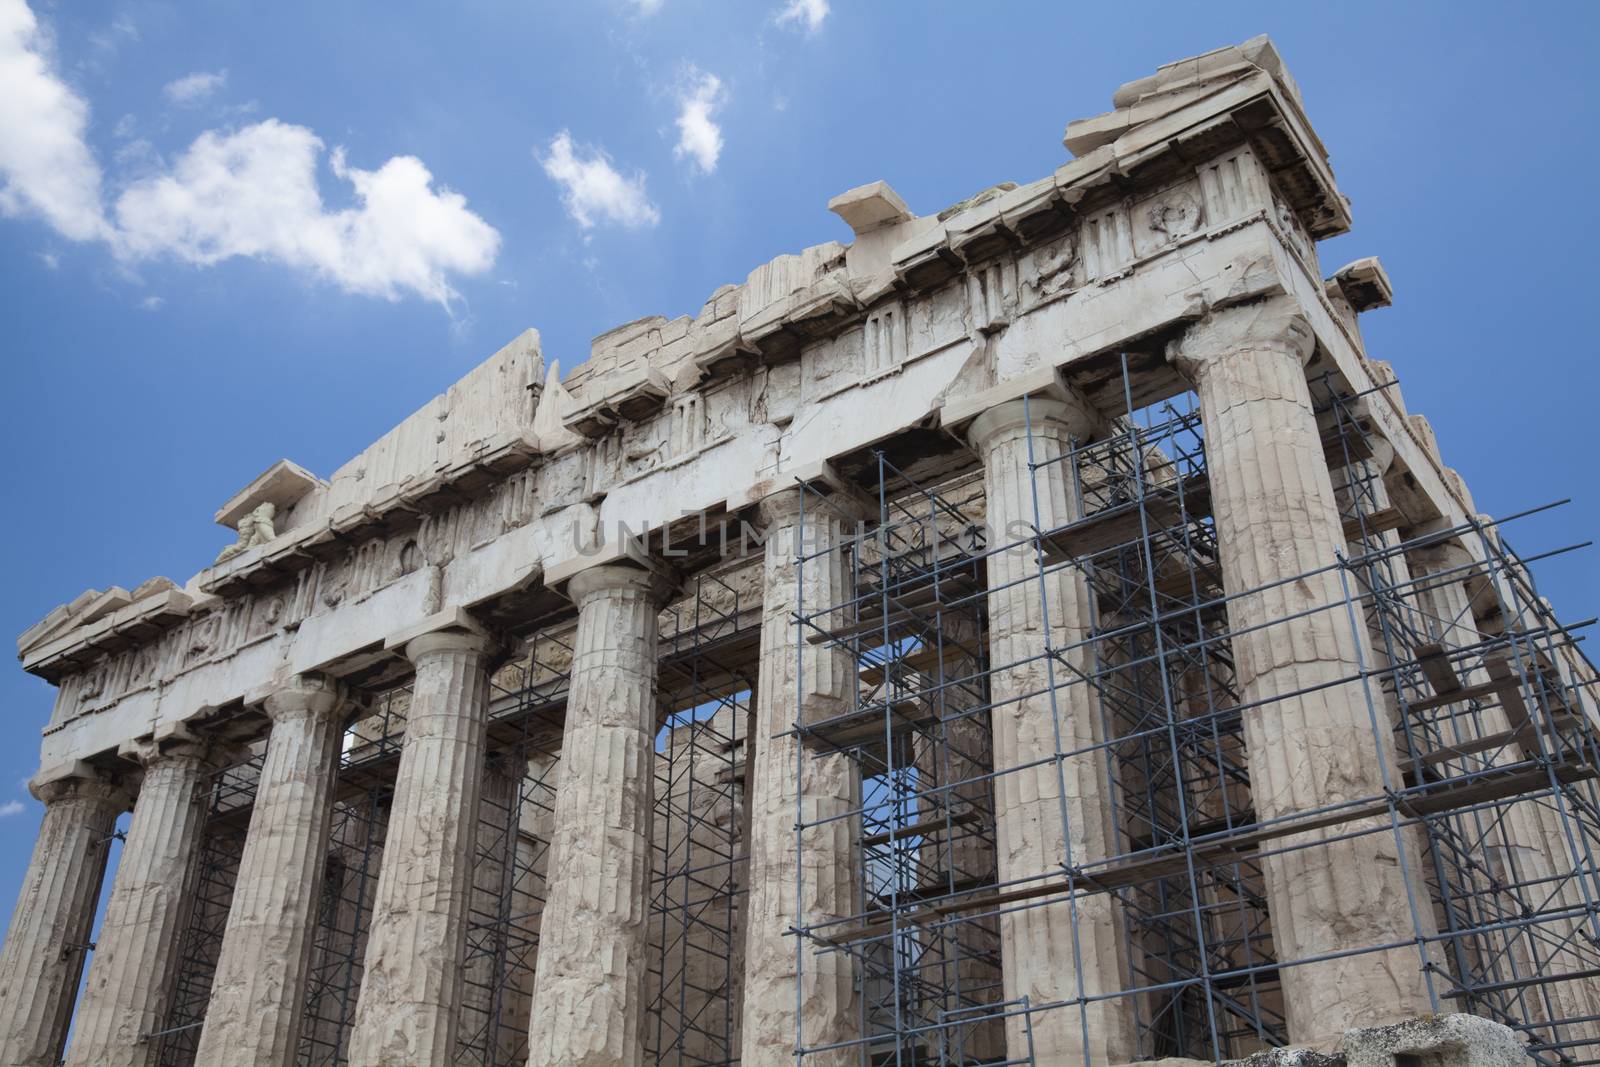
(231, 233)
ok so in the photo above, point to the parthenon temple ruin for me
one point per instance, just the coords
(1035, 632)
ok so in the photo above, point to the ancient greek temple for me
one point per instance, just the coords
(1031, 633)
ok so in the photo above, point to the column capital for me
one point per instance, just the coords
(424, 645)
(1382, 457)
(1274, 323)
(79, 780)
(451, 630)
(318, 694)
(776, 499)
(1443, 556)
(176, 743)
(653, 582)
(821, 499)
(782, 507)
(1074, 414)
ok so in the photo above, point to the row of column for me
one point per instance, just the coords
(589, 982)
(1349, 905)
(1313, 740)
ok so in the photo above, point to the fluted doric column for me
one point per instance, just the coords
(258, 994)
(130, 977)
(49, 934)
(588, 1006)
(798, 682)
(1312, 739)
(411, 985)
(1048, 813)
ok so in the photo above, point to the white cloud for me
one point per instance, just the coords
(51, 260)
(806, 13)
(592, 189)
(12, 807)
(193, 88)
(254, 193)
(648, 7)
(151, 303)
(46, 168)
(699, 136)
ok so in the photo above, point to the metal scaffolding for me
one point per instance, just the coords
(709, 642)
(1490, 711)
(1482, 696)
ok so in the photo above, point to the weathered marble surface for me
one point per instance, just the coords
(50, 928)
(1049, 814)
(258, 994)
(1194, 206)
(412, 981)
(1313, 737)
(588, 1001)
(799, 682)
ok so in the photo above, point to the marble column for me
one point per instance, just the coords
(1276, 521)
(258, 994)
(589, 990)
(799, 682)
(49, 934)
(411, 986)
(1528, 846)
(130, 977)
(1044, 948)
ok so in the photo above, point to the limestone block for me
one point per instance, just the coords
(282, 485)
(793, 288)
(714, 337)
(1364, 284)
(494, 397)
(869, 207)
(1458, 1040)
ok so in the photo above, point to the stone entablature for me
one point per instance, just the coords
(1200, 191)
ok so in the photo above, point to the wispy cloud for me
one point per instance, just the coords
(110, 37)
(593, 190)
(194, 88)
(252, 192)
(12, 807)
(805, 14)
(699, 136)
(647, 7)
